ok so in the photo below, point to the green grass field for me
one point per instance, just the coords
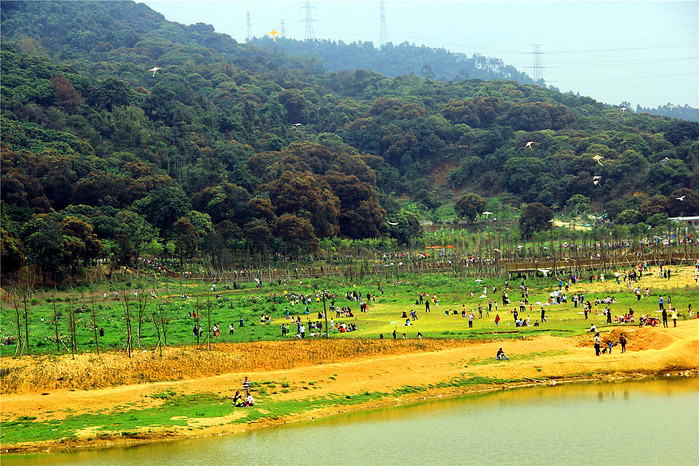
(384, 314)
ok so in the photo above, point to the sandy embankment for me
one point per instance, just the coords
(537, 361)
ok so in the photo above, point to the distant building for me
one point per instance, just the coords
(689, 221)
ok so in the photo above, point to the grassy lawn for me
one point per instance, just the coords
(227, 306)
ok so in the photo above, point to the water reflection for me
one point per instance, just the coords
(548, 425)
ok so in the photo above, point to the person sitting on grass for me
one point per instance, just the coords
(501, 354)
(249, 400)
(238, 400)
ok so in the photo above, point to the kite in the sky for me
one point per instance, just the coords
(273, 34)
(529, 145)
(154, 69)
(598, 159)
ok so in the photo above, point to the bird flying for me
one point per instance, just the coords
(154, 69)
(296, 124)
(529, 145)
(664, 160)
(392, 223)
(595, 182)
(596, 177)
(681, 198)
(598, 159)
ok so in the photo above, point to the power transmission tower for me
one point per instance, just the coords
(537, 68)
(383, 32)
(309, 21)
(249, 36)
(283, 29)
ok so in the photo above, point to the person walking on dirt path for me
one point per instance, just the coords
(664, 318)
(597, 343)
(622, 342)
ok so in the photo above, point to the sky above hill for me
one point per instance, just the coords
(642, 52)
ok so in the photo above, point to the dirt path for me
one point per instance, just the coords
(651, 351)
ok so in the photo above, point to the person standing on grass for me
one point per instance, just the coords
(543, 315)
(597, 344)
(661, 302)
(664, 318)
(673, 313)
(497, 320)
(470, 320)
(246, 384)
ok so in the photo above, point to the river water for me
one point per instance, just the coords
(648, 422)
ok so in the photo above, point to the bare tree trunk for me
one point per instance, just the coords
(208, 322)
(55, 325)
(19, 348)
(72, 328)
(94, 325)
(26, 322)
(127, 318)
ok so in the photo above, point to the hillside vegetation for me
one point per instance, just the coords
(233, 148)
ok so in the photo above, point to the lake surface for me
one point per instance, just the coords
(648, 422)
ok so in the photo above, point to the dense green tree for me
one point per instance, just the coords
(534, 217)
(470, 206)
(296, 233)
(163, 207)
(628, 217)
(187, 240)
(42, 239)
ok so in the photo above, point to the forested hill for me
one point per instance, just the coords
(397, 60)
(229, 150)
